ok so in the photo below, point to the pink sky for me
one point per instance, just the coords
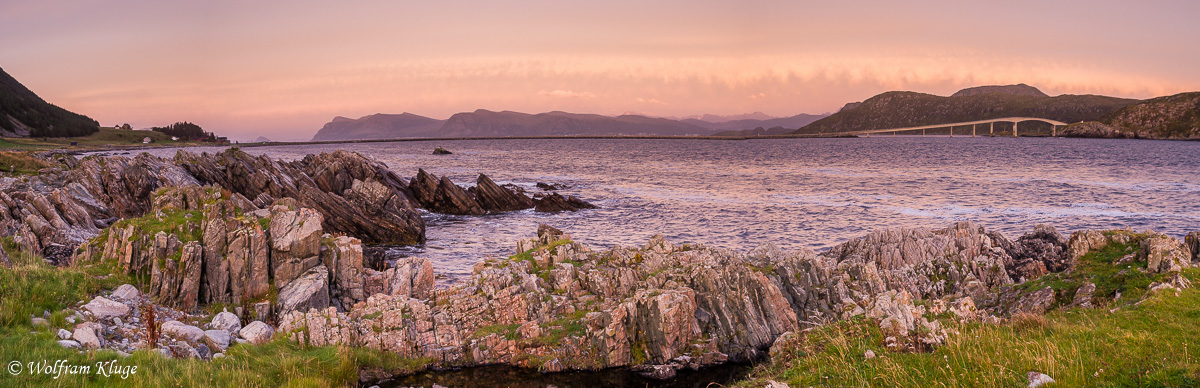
(282, 70)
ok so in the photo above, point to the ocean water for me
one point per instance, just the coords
(795, 193)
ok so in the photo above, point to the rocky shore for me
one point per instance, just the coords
(278, 247)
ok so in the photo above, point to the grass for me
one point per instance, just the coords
(1150, 344)
(20, 163)
(107, 136)
(32, 286)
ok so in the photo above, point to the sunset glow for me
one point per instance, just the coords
(282, 70)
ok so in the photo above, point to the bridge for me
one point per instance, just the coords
(1054, 124)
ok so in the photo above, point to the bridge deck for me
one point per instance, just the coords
(1004, 119)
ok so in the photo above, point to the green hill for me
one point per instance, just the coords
(907, 109)
(1170, 117)
(24, 114)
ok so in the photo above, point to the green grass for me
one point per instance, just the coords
(1152, 344)
(508, 331)
(107, 136)
(20, 163)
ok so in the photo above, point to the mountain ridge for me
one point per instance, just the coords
(24, 114)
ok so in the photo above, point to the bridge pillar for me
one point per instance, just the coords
(992, 129)
(922, 132)
(973, 129)
(1015, 129)
(951, 131)
(1053, 130)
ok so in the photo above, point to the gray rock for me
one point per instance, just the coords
(69, 344)
(182, 331)
(412, 277)
(64, 334)
(1083, 296)
(309, 291)
(184, 350)
(257, 332)
(103, 308)
(126, 292)
(86, 337)
(203, 351)
(226, 321)
(262, 310)
(1037, 379)
(1037, 302)
(869, 354)
(39, 322)
(295, 241)
(218, 340)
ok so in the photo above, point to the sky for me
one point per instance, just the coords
(283, 69)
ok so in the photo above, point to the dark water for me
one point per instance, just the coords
(799, 192)
(507, 376)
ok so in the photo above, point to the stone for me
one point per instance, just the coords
(39, 322)
(309, 291)
(217, 340)
(203, 351)
(530, 330)
(257, 332)
(1192, 240)
(295, 241)
(226, 321)
(262, 310)
(1083, 296)
(412, 277)
(126, 292)
(1037, 302)
(86, 336)
(555, 202)
(493, 198)
(869, 354)
(104, 308)
(1038, 379)
(345, 262)
(182, 331)
(183, 350)
(776, 384)
(1165, 254)
(441, 151)
(64, 334)
(69, 344)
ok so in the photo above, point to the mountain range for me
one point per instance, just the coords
(486, 123)
(24, 114)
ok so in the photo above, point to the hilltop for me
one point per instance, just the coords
(379, 126)
(904, 109)
(24, 114)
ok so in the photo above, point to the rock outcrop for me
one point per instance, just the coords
(1193, 243)
(443, 196)
(493, 198)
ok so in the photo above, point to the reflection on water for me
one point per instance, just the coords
(799, 193)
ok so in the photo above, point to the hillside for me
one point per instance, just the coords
(1170, 117)
(24, 114)
(793, 122)
(904, 109)
(379, 126)
(488, 123)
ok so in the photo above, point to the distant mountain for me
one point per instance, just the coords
(379, 126)
(759, 131)
(793, 122)
(905, 109)
(24, 114)
(1170, 117)
(483, 123)
(1016, 90)
(262, 139)
(720, 119)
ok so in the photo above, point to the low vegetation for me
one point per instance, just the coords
(1154, 343)
(20, 163)
(104, 137)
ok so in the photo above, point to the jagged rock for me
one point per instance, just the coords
(1165, 254)
(249, 262)
(226, 321)
(412, 277)
(4, 260)
(1037, 379)
(184, 351)
(493, 198)
(452, 199)
(262, 310)
(295, 241)
(176, 281)
(550, 186)
(182, 331)
(555, 202)
(126, 292)
(1037, 302)
(64, 334)
(1083, 296)
(1037, 253)
(776, 384)
(203, 352)
(344, 258)
(217, 340)
(309, 291)
(441, 151)
(86, 336)
(1193, 242)
(104, 308)
(257, 332)
(1085, 241)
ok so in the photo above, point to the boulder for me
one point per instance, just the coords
(1037, 302)
(1165, 254)
(1193, 242)
(441, 151)
(175, 280)
(64, 334)
(257, 332)
(182, 331)
(344, 258)
(555, 202)
(1083, 296)
(86, 336)
(309, 291)
(104, 308)
(452, 199)
(217, 340)
(226, 321)
(126, 292)
(1037, 253)
(1038, 379)
(185, 351)
(69, 344)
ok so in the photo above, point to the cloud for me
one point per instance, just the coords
(567, 94)
(651, 101)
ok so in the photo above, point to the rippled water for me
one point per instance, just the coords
(799, 193)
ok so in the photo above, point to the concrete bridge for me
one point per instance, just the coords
(1054, 124)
